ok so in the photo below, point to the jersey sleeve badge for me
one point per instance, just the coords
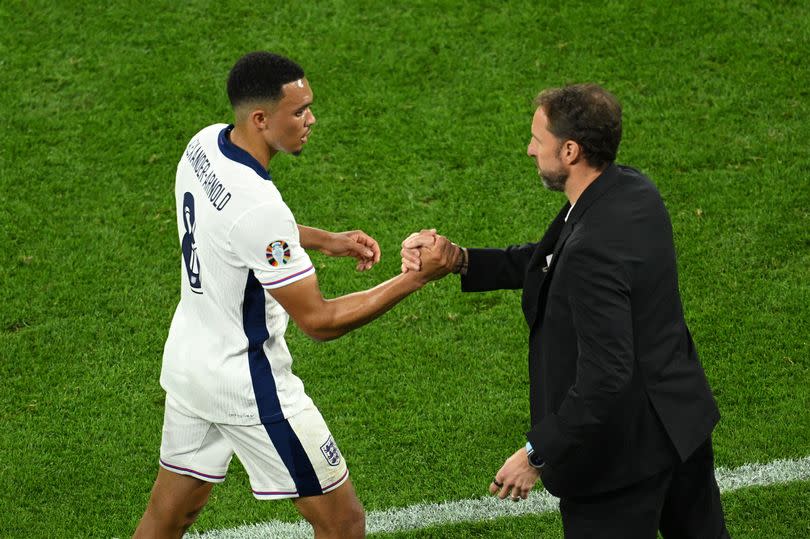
(278, 253)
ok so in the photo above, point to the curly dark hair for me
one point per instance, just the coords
(587, 114)
(259, 76)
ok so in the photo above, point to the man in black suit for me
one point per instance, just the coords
(621, 411)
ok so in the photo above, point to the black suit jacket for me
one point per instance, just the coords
(617, 392)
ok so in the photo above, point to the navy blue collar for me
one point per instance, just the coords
(235, 153)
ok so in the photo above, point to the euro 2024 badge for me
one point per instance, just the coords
(278, 253)
(331, 452)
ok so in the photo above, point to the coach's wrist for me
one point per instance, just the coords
(534, 459)
(462, 260)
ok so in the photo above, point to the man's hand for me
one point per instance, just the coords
(439, 259)
(516, 478)
(430, 254)
(354, 243)
(411, 259)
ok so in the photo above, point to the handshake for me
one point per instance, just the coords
(431, 255)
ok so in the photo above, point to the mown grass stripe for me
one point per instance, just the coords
(486, 508)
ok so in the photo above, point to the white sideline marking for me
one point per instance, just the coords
(424, 515)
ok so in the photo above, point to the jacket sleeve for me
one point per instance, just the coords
(599, 298)
(497, 269)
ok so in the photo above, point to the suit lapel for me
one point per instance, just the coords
(550, 238)
(536, 269)
(566, 231)
(543, 292)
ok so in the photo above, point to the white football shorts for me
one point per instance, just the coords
(287, 459)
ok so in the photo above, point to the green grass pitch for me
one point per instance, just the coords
(423, 111)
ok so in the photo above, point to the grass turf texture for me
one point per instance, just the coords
(424, 111)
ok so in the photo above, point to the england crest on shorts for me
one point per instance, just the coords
(331, 452)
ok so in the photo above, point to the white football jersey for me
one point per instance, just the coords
(225, 357)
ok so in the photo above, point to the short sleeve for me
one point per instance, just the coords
(266, 240)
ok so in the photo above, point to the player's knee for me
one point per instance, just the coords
(358, 518)
(191, 515)
(350, 522)
(177, 517)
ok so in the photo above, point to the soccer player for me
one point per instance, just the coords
(245, 272)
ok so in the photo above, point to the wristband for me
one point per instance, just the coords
(463, 262)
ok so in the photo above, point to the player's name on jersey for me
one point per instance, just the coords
(215, 190)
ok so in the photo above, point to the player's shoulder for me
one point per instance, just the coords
(211, 132)
(264, 209)
(266, 198)
(202, 146)
(207, 136)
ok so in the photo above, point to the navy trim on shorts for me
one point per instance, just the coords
(295, 458)
(329, 487)
(261, 374)
(189, 470)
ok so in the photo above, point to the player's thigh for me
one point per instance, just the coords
(193, 457)
(193, 446)
(292, 458)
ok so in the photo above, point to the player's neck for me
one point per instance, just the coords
(253, 143)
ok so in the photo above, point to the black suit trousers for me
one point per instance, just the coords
(683, 502)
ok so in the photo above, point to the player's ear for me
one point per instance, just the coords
(258, 119)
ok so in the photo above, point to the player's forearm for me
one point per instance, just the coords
(343, 314)
(313, 238)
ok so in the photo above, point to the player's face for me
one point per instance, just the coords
(290, 122)
(545, 148)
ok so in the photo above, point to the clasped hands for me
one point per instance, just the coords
(430, 254)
